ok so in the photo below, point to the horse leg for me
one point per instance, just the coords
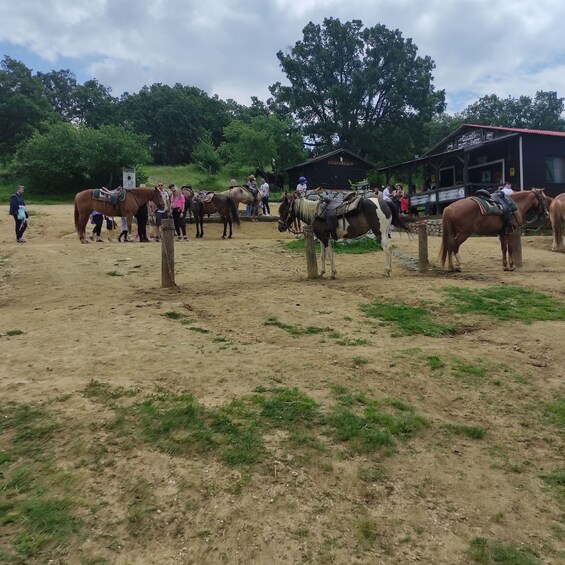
(81, 227)
(508, 242)
(322, 258)
(231, 225)
(331, 255)
(225, 221)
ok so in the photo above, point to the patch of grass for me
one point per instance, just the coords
(556, 479)
(287, 407)
(11, 333)
(295, 331)
(487, 552)
(507, 302)
(556, 412)
(371, 474)
(351, 341)
(105, 392)
(469, 372)
(172, 315)
(366, 532)
(360, 361)
(409, 320)
(354, 247)
(198, 330)
(114, 274)
(141, 507)
(474, 432)
(435, 362)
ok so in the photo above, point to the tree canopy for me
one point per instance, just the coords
(348, 83)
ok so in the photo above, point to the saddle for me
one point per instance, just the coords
(114, 197)
(332, 210)
(205, 196)
(497, 204)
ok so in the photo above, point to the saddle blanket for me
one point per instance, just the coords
(491, 208)
(112, 196)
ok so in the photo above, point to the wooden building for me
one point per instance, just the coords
(476, 156)
(334, 170)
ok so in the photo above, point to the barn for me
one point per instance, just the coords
(338, 169)
(476, 156)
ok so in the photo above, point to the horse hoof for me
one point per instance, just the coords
(387, 273)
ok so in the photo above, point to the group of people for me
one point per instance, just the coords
(174, 207)
(254, 208)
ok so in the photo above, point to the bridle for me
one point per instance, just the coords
(289, 220)
(541, 209)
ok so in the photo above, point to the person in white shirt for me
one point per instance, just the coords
(265, 197)
(301, 187)
(507, 189)
(388, 193)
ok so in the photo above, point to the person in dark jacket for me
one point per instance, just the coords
(18, 210)
(142, 217)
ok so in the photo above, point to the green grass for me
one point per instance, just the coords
(408, 320)
(556, 412)
(293, 330)
(435, 362)
(355, 247)
(12, 333)
(37, 512)
(474, 432)
(188, 174)
(487, 552)
(507, 303)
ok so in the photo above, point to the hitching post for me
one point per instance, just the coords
(423, 262)
(310, 249)
(167, 254)
(517, 251)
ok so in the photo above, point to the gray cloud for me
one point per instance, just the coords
(228, 47)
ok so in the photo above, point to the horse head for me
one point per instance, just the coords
(158, 198)
(286, 213)
(542, 208)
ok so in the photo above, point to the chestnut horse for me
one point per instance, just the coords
(373, 214)
(134, 199)
(219, 203)
(464, 218)
(557, 216)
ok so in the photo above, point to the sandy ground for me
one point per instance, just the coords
(97, 311)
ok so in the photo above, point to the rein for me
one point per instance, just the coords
(539, 215)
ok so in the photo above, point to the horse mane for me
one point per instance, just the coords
(306, 209)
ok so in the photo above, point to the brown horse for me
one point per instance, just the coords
(464, 218)
(134, 199)
(219, 203)
(241, 194)
(557, 216)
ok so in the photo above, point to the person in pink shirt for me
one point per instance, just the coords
(177, 206)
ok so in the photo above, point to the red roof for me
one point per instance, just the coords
(519, 130)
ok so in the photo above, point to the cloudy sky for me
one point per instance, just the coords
(228, 47)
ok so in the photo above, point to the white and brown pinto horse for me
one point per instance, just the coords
(464, 217)
(557, 216)
(372, 214)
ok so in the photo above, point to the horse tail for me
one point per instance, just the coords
(233, 211)
(400, 222)
(76, 214)
(447, 235)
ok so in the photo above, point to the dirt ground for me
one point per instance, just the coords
(97, 312)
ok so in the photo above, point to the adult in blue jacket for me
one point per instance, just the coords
(18, 210)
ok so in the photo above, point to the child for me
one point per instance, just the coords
(124, 229)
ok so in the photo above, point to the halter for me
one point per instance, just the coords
(288, 220)
(540, 215)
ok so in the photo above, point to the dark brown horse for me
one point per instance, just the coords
(373, 214)
(210, 203)
(557, 216)
(134, 199)
(188, 198)
(464, 218)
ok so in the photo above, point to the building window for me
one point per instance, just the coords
(555, 169)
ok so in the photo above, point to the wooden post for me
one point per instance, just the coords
(167, 254)
(423, 262)
(517, 252)
(310, 248)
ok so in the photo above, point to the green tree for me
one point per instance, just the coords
(23, 105)
(68, 158)
(349, 85)
(206, 156)
(174, 119)
(94, 104)
(60, 89)
(259, 143)
(543, 112)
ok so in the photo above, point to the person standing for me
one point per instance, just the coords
(142, 216)
(19, 212)
(265, 197)
(301, 187)
(96, 218)
(251, 208)
(177, 205)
